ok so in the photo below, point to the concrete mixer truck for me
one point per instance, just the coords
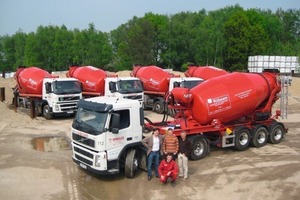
(234, 110)
(157, 82)
(97, 82)
(53, 96)
(204, 72)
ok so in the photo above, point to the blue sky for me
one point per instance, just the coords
(27, 15)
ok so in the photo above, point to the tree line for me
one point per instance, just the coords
(223, 38)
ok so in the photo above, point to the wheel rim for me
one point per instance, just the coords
(261, 137)
(243, 139)
(157, 107)
(198, 150)
(135, 164)
(277, 134)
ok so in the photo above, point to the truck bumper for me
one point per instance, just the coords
(94, 171)
(95, 162)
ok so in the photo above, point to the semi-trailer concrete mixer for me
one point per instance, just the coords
(204, 72)
(97, 82)
(229, 110)
(157, 82)
(53, 96)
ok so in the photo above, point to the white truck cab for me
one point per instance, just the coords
(124, 87)
(107, 135)
(59, 97)
(184, 82)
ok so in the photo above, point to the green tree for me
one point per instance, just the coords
(9, 52)
(20, 42)
(32, 51)
(237, 35)
(259, 39)
(62, 48)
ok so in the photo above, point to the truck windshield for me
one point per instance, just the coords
(89, 121)
(129, 86)
(66, 87)
(191, 84)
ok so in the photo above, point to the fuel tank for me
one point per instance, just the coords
(154, 78)
(30, 80)
(204, 72)
(92, 78)
(228, 97)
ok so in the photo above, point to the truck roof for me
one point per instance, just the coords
(61, 79)
(122, 78)
(116, 102)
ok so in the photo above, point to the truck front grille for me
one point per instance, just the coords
(83, 140)
(138, 97)
(86, 161)
(82, 152)
(70, 98)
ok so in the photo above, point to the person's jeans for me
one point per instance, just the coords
(153, 156)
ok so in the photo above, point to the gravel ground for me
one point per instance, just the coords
(268, 173)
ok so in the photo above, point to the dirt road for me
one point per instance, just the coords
(268, 173)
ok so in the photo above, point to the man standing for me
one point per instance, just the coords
(168, 169)
(153, 144)
(170, 144)
(184, 146)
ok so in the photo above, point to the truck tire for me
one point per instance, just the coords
(276, 133)
(199, 148)
(158, 107)
(46, 112)
(242, 139)
(131, 163)
(259, 137)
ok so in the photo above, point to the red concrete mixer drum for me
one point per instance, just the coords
(30, 80)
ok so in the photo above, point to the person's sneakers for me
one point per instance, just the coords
(185, 178)
(149, 178)
(157, 176)
(180, 176)
(173, 183)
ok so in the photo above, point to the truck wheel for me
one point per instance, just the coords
(158, 107)
(46, 112)
(260, 136)
(131, 163)
(199, 148)
(276, 133)
(242, 139)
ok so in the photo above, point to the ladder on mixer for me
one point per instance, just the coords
(284, 81)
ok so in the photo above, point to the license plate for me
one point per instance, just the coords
(82, 166)
(70, 112)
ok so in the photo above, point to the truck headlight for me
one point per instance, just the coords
(97, 161)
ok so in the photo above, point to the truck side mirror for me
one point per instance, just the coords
(112, 87)
(48, 87)
(115, 121)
